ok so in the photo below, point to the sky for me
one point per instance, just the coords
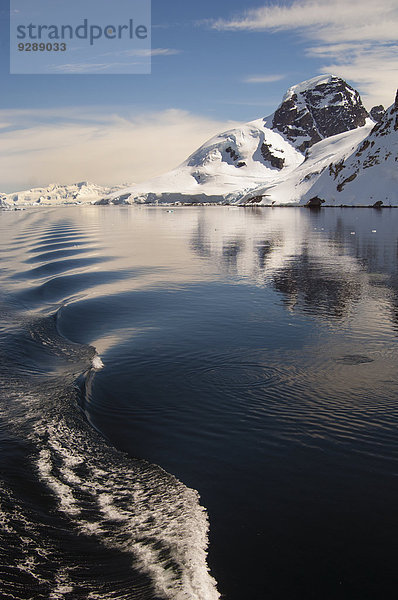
(215, 63)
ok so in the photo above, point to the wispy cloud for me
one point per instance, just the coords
(83, 68)
(374, 69)
(145, 52)
(357, 19)
(263, 78)
(102, 145)
(348, 34)
(122, 61)
(157, 52)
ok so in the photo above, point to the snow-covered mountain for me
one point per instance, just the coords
(262, 154)
(317, 109)
(370, 173)
(320, 142)
(75, 193)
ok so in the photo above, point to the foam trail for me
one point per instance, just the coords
(135, 508)
(97, 363)
(126, 507)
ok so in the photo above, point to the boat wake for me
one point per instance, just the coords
(79, 519)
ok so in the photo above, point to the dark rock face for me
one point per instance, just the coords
(376, 149)
(318, 111)
(334, 169)
(315, 202)
(377, 113)
(232, 153)
(388, 122)
(275, 161)
(294, 122)
(235, 157)
(341, 185)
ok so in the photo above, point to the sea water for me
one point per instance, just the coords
(198, 404)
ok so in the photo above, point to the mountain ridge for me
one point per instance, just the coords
(369, 174)
(237, 165)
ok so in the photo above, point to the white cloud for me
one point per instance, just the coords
(157, 52)
(83, 68)
(357, 19)
(374, 70)
(121, 66)
(358, 37)
(68, 145)
(145, 52)
(264, 78)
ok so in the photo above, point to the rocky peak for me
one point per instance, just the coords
(389, 121)
(317, 109)
(377, 113)
(376, 157)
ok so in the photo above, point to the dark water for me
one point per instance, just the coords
(248, 356)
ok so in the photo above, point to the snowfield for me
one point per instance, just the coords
(298, 185)
(223, 168)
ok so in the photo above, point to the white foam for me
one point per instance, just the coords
(63, 492)
(97, 363)
(62, 586)
(134, 508)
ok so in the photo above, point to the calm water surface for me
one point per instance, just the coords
(198, 403)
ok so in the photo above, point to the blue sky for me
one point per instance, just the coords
(214, 63)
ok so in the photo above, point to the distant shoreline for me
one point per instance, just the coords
(195, 205)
